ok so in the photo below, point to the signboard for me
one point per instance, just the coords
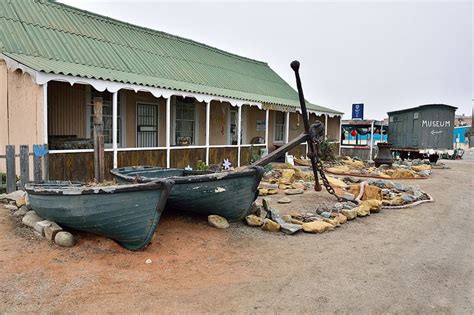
(358, 111)
(260, 125)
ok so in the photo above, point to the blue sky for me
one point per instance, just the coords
(388, 55)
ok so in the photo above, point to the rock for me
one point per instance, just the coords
(20, 212)
(298, 186)
(425, 173)
(51, 231)
(325, 214)
(217, 221)
(396, 201)
(338, 206)
(3, 196)
(335, 182)
(384, 167)
(262, 192)
(362, 210)
(342, 219)
(399, 186)
(11, 207)
(408, 198)
(284, 200)
(64, 239)
(349, 214)
(262, 213)
(31, 218)
(255, 209)
(317, 227)
(373, 204)
(148, 261)
(267, 186)
(270, 225)
(334, 222)
(272, 191)
(284, 186)
(286, 176)
(13, 196)
(348, 205)
(348, 196)
(40, 225)
(422, 167)
(253, 220)
(20, 201)
(287, 218)
(290, 228)
(297, 191)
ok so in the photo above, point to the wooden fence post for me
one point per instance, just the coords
(37, 171)
(10, 161)
(99, 159)
(24, 166)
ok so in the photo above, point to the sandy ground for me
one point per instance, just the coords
(417, 260)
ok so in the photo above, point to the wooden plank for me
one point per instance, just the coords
(184, 157)
(146, 157)
(11, 176)
(217, 155)
(98, 141)
(24, 166)
(37, 169)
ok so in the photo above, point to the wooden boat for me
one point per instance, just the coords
(129, 214)
(228, 194)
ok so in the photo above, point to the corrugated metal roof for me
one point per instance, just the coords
(56, 38)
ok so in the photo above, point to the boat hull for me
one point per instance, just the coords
(129, 214)
(228, 194)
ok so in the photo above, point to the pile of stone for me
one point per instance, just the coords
(400, 169)
(287, 179)
(361, 199)
(17, 203)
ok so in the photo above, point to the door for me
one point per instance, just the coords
(147, 125)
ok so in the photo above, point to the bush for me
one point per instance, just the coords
(327, 151)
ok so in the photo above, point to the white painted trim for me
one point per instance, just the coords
(45, 113)
(168, 131)
(208, 121)
(196, 123)
(340, 131)
(141, 149)
(325, 126)
(372, 140)
(287, 127)
(114, 128)
(156, 148)
(239, 127)
(267, 128)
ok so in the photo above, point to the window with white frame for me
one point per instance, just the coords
(280, 124)
(107, 115)
(185, 121)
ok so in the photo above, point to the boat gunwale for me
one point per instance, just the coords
(254, 170)
(77, 188)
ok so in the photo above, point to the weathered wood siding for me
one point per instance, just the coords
(183, 157)
(333, 128)
(131, 99)
(253, 114)
(80, 166)
(217, 155)
(219, 123)
(67, 109)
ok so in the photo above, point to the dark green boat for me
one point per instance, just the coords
(228, 194)
(128, 213)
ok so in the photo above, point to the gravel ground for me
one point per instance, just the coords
(417, 260)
